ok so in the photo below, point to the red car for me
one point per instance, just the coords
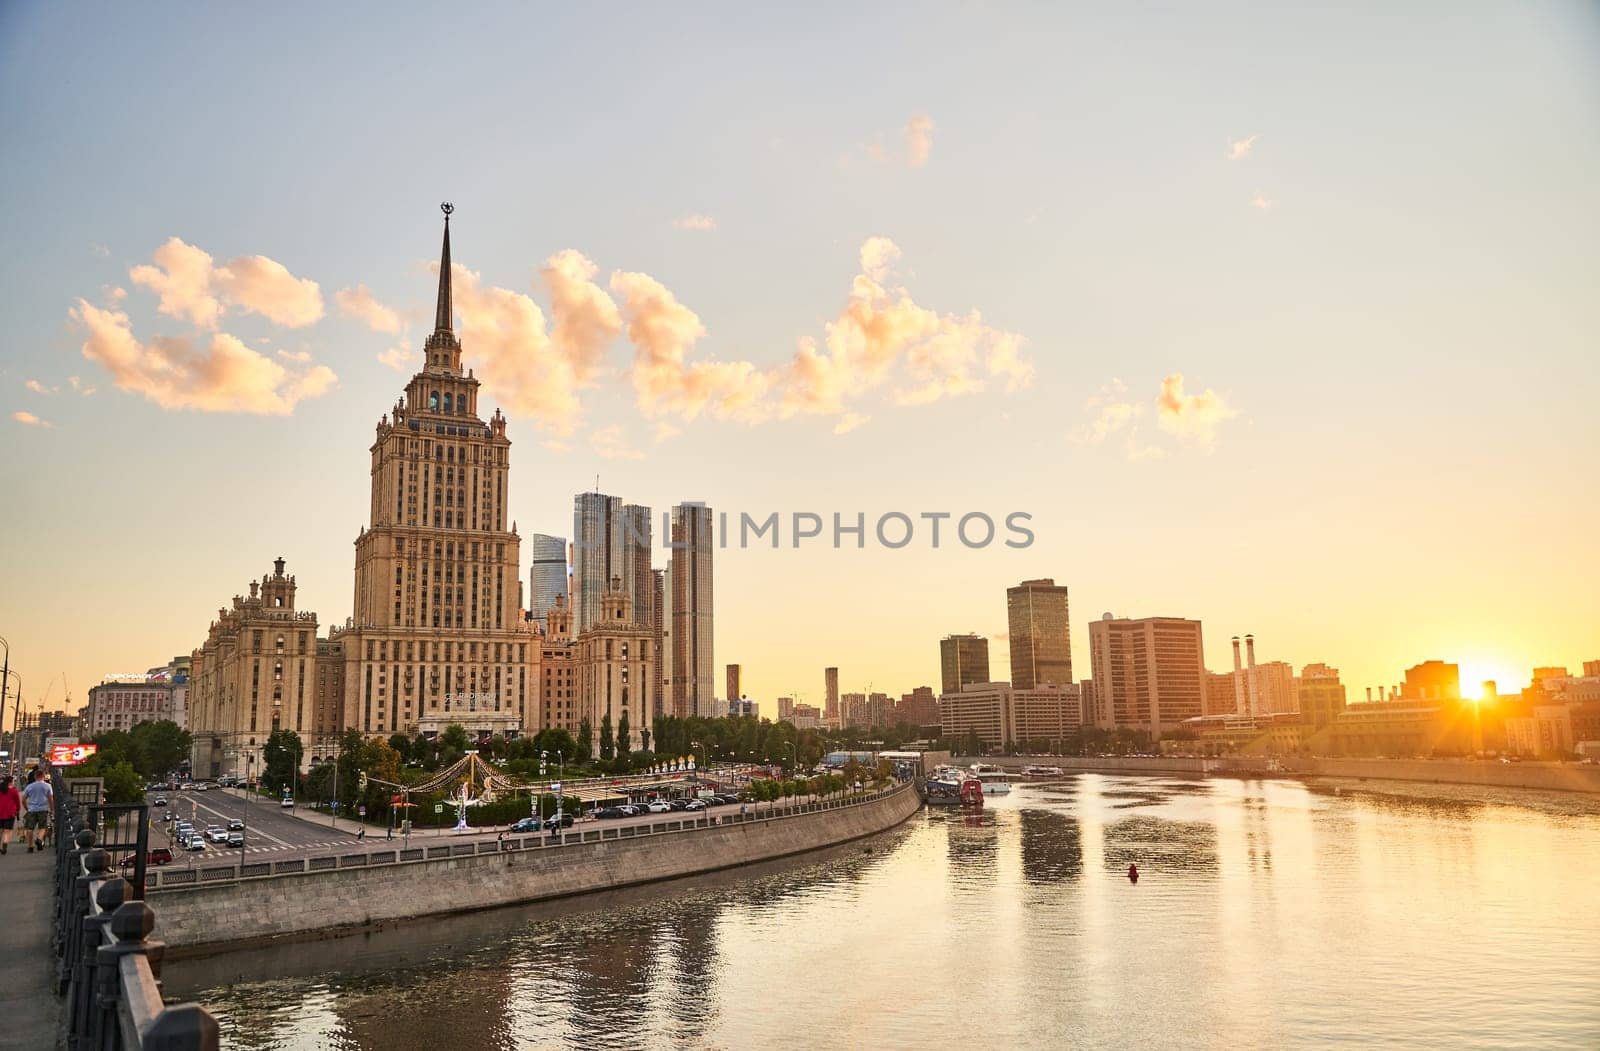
(155, 856)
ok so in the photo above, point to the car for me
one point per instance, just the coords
(660, 806)
(527, 824)
(159, 801)
(216, 834)
(153, 856)
(201, 787)
(235, 839)
(193, 843)
(236, 824)
(558, 821)
(695, 804)
(628, 810)
(679, 804)
(610, 812)
(186, 786)
(286, 803)
(183, 828)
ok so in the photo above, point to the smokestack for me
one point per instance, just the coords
(1238, 680)
(1369, 694)
(1255, 691)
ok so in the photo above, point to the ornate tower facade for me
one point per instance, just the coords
(438, 636)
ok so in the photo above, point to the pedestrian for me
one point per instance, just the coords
(10, 807)
(38, 797)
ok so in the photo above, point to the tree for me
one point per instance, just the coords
(122, 783)
(159, 747)
(402, 745)
(623, 733)
(585, 743)
(282, 756)
(452, 743)
(607, 747)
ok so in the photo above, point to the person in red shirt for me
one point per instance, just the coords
(10, 807)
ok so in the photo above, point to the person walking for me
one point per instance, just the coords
(38, 798)
(10, 807)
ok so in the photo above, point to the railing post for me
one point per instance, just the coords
(80, 994)
(93, 864)
(131, 924)
(183, 1027)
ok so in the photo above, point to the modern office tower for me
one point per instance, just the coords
(786, 709)
(1041, 640)
(1149, 673)
(963, 659)
(1320, 693)
(853, 710)
(830, 698)
(693, 541)
(668, 704)
(437, 637)
(735, 687)
(548, 576)
(609, 539)
(658, 694)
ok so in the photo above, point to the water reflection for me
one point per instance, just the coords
(1267, 914)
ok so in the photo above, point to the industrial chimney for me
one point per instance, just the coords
(1238, 680)
(1255, 691)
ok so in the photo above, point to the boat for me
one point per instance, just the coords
(972, 793)
(1041, 772)
(996, 782)
(944, 787)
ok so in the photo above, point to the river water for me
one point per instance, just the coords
(1267, 914)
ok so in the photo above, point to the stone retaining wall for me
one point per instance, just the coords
(209, 917)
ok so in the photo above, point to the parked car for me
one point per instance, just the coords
(153, 856)
(679, 804)
(286, 803)
(201, 787)
(661, 806)
(527, 824)
(235, 839)
(695, 804)
(611, 811)
(236, 824)
(558, 820)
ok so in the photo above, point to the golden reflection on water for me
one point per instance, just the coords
(1267, 913)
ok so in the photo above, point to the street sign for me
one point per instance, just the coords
(438, 808)
(362, 810)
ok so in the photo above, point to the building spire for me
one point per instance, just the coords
(442, 321)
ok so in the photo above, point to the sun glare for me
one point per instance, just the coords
(1474, 673)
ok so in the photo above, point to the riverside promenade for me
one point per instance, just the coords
(30, 1010)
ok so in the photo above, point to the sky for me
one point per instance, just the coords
(1279, 319)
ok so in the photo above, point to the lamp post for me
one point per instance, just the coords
(11, 767)
(5, 683)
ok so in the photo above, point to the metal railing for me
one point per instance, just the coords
(178, 879)
(109, 966)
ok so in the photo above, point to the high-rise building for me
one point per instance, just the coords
(807, 717)
(1320, 694)
(121, 705)
(1591, 669)
(735, 687)
(437, 636)
(880, 710)
(658, 622)
(920, 707)
(693, 685)
(853, 710)
(1041, 638)
(786, 709)
(831, 716)
(1149, 673)
(548, 576)
(963, 659)
(1221, 698)
(1275, 685)
(610, 539)
(557, 705)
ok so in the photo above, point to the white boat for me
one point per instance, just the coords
(996, 782)
(1039, 772)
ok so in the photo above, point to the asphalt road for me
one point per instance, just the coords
(271, 831)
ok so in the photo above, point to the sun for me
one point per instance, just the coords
(1476, 671)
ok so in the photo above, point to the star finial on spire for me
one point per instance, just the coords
(443, 321)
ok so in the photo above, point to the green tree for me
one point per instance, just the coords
(282, 754)
(402, 746)
(607, 745)
(453, 743)
(159, 747)
(624, 732)
(123, 783)
(585, 743)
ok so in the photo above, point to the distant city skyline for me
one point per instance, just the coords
(1257, 343)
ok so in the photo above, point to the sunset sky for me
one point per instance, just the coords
(1284, 321)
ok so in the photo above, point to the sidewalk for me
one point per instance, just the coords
(28, 1001)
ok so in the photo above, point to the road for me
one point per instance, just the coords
(273, 832)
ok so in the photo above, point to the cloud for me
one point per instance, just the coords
(77, 385)
(40, 388)
(849, 422)
(584, 319)
(663, 331)
(223, 376)
(666, 431)
(556, 446)
(503, 333)
(696, 221)
(1193, 418)
(878, 257)
(30, 419)
(299, 357)
(1240, 148)
(402, 359)
(191, 287)
(100, 251)
(919, 140)
(609, 443)
(1263, 202)
(361, 304)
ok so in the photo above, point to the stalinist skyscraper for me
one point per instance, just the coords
(438, 635)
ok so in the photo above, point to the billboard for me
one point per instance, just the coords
(70, 754)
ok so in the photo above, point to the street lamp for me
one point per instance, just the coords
(15, 715)
(5, 682)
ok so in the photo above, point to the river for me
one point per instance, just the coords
(1267, 914)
